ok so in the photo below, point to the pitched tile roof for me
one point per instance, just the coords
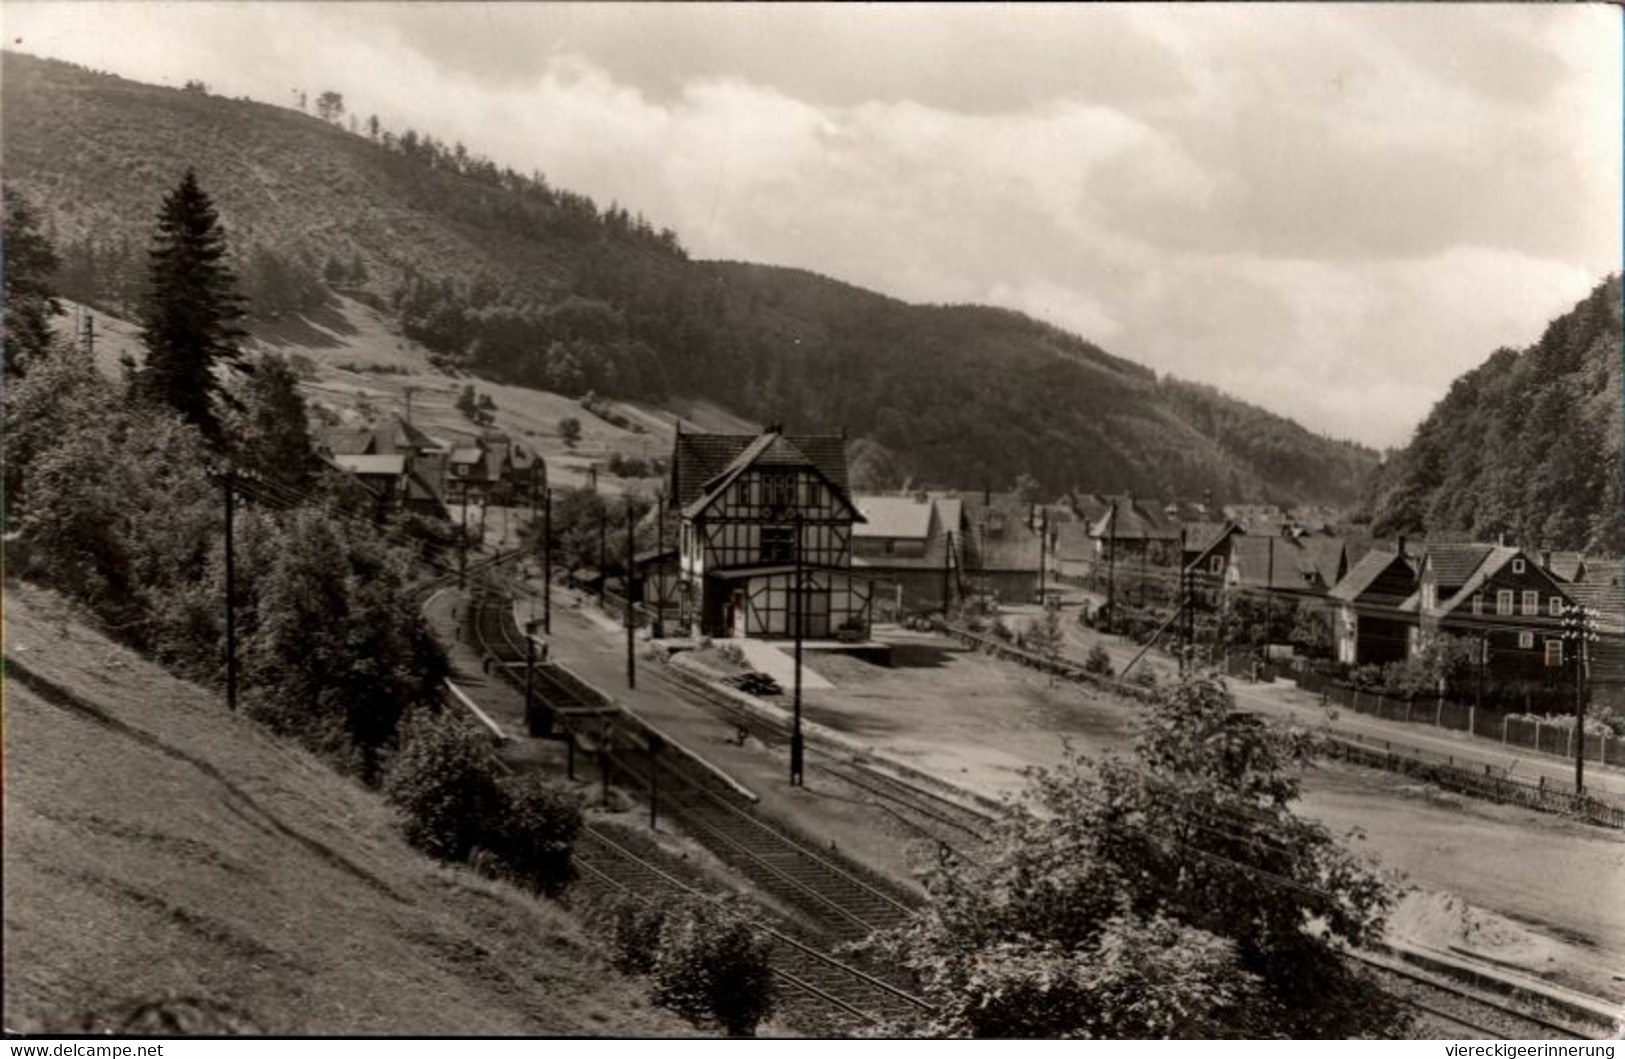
(372, 465)
(1135, 520)
(1275, 562)
(348, 441)
(1495, 559)
(1365, 573)
(1452, 564)
(699, 459)
(893, 516)
(1202, 534)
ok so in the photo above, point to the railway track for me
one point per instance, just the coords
(840, 902)
(1451, 1006)
(836, 902)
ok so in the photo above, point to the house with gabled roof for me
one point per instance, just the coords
(1600, 588)
(1003, 550)
(753, 511)
(1368, 627)
(1499, 597)
(1136, 531)
(911, 547)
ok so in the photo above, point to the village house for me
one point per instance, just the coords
(1599, 586)
(1003, 550)
(1135, 532)
(397, 462)
(1368, 628)
(910, 547)
(1499, 599)
(753, 511)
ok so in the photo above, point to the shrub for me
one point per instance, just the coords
(712, 968)
(1098, 662)
(444, 781)
(534, 832)
(635, 928)
(1145, 677)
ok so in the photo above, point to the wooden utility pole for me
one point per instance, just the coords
(947, 559)
(797, 604)
(1111, 567)
(1269, 593)
(227, 483)
(462, 544)
(627, 582)
(660, 567)
(1043, 552)
(530, 677)
(603, 552)
(547, 564)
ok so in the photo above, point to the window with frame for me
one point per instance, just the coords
(778, 544)
(1503, 601)
(1531, 603)
(1554, 652)
(1554, 606)
(1526, 640)
(1517, 566)
(1216, 564)
(778, 490)
(1478, 603)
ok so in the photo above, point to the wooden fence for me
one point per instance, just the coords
(1438, 712)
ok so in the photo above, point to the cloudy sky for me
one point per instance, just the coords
(1331, 211)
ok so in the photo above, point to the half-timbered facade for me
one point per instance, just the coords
(755, 511)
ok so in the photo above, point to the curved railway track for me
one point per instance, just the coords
(836, 902)
(841, 902)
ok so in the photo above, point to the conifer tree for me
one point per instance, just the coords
(188, 324)
(30, 301)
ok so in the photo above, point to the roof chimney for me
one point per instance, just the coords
(1402, 546)
(1546, 559)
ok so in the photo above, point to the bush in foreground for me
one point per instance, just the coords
(444, 782)
(712, 968)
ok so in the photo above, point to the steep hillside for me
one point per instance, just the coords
(498, 273)
(1527, 444)
(158, 846)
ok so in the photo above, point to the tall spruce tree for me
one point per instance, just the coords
(188, 324)
(30, 301)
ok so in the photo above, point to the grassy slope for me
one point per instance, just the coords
(155, 843)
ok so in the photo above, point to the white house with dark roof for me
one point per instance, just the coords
(754, 510)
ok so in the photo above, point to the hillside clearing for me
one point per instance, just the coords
(157, 845)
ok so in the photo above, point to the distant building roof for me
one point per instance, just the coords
(391, 465)
(348, 441)
(893, 516)
(1134, 520)
(467, 454)
(1277, 563)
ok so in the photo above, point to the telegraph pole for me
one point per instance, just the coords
(547, 564)
(1111, 566)
(1043, 549)
(1577, 632)
(947, 560)
(798, 607)
(530, 676)
(462, 544)
(627, 581)
(231, 599)
(603, 552)
(660, 564)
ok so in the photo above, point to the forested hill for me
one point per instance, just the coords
(1526, 445)
(506, 276)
